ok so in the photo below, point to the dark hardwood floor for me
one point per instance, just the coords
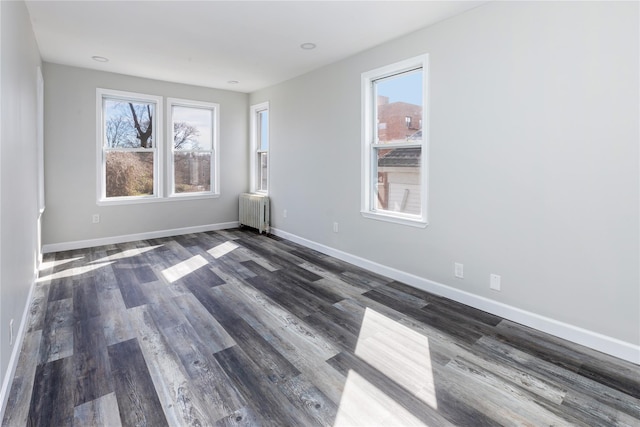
(234, 328)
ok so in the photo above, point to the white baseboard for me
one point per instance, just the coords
(15, 353)
(594, 340)
(81, 244)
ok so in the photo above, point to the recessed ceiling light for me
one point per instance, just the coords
(308, 46)
(100, 58)
(233, 82)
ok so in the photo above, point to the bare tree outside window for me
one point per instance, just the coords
(185, 135)
(129, 140)
(144, 130)
(128, 124)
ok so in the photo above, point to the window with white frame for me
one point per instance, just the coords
(193, 157)
(131, 152)
(260, 147)
(394, 143)
(130, 138)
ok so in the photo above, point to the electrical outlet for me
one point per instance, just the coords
(284, 213)
(458, 270)
(95, 218)
(11, 332)
(494, 282)
(335, 227)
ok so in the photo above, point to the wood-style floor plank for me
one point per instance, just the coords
(276, 367)
(208, 381)
(38, 305)
(52, 397)
(60, 289)
(101, 412)
(181, 404)
(129, 286)
(23, 382)
(92, 370)
(510, 356)
(233, 328)
(289, 335)
(244, 416)
(507, 403)
(205, 326)
(57, 332)
(136, 395)
(273, 408)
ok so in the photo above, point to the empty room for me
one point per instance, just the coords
(331, 213)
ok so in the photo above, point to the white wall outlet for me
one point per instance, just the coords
(95, 218)
(494, 282)
(11, 332)
(335, 227)
(284, 213)
(458, 270)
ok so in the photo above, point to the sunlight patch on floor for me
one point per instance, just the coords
(363, 404)
(399, 352)
(75, 271)
(222, 249)
(127, 253)
(403, 356)
(45, 265)
(183, 268)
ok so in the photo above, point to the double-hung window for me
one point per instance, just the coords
(193, 127)
(394, 142)
(130, 138)
(131, 148)
(260, 147)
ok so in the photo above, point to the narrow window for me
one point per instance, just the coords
(260, 147)
(394, 147)
(129, 137)
(193, 155)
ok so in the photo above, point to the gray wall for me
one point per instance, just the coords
(18, 169)
(70, 159)
(533, 159)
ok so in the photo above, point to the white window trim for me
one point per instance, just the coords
(369, 122)
(215, 151)
(253, 164)
(40, 138)
(101, 161)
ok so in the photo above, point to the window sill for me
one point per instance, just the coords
(172, 198)
(411, 222)
(192, 196)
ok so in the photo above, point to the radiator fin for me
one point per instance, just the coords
(254, 211)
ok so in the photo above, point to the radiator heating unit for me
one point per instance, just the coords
(254, 211)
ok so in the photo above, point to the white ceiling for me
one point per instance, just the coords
(209, 43)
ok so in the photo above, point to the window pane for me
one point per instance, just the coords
(192, 128)
(263, 130)
(128, 124)
(263, 159)
(398, 186)
(192, 172)
(129, 174)
(399, 107)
